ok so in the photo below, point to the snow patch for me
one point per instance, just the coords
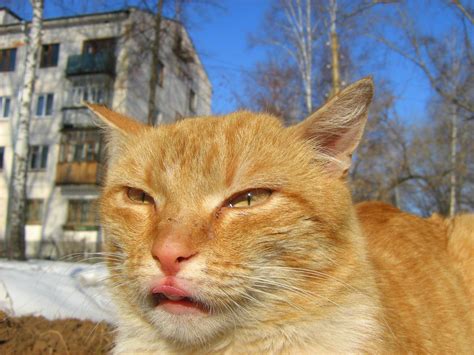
(55, 289)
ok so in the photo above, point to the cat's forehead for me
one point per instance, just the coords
(218, 137)
(204, 154)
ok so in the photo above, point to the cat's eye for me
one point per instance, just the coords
(139, 196)
(249, 198)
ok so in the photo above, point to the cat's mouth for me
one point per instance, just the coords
(179, 305)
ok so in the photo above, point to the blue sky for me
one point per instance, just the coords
(221, 38)
(223, 46)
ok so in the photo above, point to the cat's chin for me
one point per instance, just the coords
(183, 327)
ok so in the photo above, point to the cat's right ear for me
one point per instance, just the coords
(336, 128)
(117, 128)
(115, 121)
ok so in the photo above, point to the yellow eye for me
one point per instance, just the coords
(139, 196)
(249, 198)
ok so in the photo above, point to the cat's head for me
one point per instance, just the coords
(219, 223)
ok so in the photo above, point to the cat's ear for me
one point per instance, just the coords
(117, 122)
(336, 128)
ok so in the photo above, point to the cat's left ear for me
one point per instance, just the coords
(336, 128)
(119, 123)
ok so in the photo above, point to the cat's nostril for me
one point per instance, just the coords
(171, 255)
(184, 258)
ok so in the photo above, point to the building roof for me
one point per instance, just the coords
(4, 8)
(93, 17)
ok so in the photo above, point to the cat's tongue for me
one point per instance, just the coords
(176, 301)
(170, 291)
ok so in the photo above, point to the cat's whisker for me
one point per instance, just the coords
(244, 295)
(310, 273)
(290, 288)
(272, 296)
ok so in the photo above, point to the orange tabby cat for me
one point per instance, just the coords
(236, 235)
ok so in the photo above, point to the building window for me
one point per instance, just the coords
(82, 213)
(4, 106)
(192, 101)
(2, 154)
(38, 157)
(44, 105)
(161, 73)
(7, 59)
(94, 46)
(87, 151)
(49, 55)
(34, 211)
(91, 93)
(80, 146)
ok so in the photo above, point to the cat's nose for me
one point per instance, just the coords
(171, 255)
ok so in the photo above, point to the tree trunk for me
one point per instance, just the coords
(155, 60)
(453, 175)
(17, 196)
(334, 43)
(307, 45)
(299, 29)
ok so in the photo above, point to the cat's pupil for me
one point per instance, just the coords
(249, 198)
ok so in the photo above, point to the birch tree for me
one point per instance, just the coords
(17, 197)
(291, 27)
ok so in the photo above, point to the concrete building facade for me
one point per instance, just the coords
(103, 58)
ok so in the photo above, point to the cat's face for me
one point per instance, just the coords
(219, 223)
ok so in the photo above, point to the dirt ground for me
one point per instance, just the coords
(38, 335)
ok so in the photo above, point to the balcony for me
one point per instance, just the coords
(79, 160)
(77, 117)
(97, 63)
(78, 173)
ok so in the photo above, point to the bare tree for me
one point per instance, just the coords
(422, 50)
(463, 10)
(156, 33)
(17, 196)
(155, 59)
(447, 64)
(382, 162)
(272, 87)
(334, 43)
(340, 18)
(432, 164)
(292, 27)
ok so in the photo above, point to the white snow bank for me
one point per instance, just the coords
(55, 289)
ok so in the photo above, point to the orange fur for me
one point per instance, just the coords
(424, 299)
(302, 272)
(460, 245)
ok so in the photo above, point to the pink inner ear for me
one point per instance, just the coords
(342, 143)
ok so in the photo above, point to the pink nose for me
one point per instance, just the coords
(171, 254)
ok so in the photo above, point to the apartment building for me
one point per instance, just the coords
(103, 58)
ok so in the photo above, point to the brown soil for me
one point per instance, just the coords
(38, 335)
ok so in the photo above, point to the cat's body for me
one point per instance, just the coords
(424, 299)
(237, 235)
